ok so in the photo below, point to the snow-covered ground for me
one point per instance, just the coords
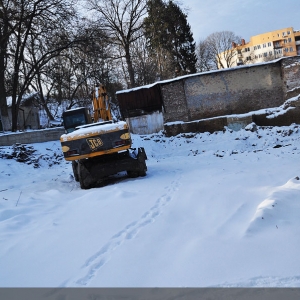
(218, 209)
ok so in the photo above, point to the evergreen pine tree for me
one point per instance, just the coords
(155, 29)
(181, 42)
(170, 38)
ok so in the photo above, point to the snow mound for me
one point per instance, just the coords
(279, 210)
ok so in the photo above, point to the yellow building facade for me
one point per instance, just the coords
(266, 46)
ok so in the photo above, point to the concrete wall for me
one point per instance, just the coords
(230, 91)
(234, 123)
(210, 98)
(29, 137)
(291, 76)
(209, 125)
(146, 124)
(174, 99)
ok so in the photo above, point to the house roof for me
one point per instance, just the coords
(25, 99)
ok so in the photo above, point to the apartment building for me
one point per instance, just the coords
(266, 47)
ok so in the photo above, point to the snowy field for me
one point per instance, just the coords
(215, 210)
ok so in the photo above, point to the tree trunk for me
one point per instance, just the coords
(42, 98)
(4, 112)
(48, 112)
(14, 117)
(3, 105)
(130, 67)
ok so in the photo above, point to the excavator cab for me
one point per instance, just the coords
(74, 118)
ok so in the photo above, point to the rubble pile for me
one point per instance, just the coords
(27, 154)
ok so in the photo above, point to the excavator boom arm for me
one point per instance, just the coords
(101, 104)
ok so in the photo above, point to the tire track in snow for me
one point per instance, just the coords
(96, 261)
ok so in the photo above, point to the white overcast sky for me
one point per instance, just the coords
(245, 18)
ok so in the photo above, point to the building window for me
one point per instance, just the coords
(291, 49)
(264, 45)
(285, 41)
(278, 35)
(270, 53)
(256, 56)
(286, 49)
(269, 44)
(283, 34)
(277, 44)
(288, 32)
(289, 39)
(255, 47)
(258, 46)
(265, 54)
(260, 56)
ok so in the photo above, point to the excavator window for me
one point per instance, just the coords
(74, 118)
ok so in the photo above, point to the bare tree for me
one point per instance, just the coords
(144, 63)
(7, 13)
(205, 59)
(270, 57)
(220, 46)
(31, 21)
(68, 79)
(248, 57)
(122, 19)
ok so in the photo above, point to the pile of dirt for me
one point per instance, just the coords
(27, 154)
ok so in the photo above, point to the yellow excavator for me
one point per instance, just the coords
(98, 146)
